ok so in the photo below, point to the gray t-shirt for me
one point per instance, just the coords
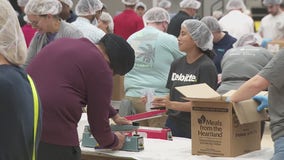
(272, 72)
(240, 64)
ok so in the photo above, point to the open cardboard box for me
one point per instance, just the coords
(220, 128)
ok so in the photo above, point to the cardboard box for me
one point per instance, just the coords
(220, 128)
(118, 88)
(275, 46)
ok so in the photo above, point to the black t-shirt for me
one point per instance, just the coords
(16, 114)
(182, 73)
(176, 21)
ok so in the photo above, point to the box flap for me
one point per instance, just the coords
(247, 113)
(198, 92)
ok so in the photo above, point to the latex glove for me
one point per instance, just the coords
(228, 99)
(263, 100)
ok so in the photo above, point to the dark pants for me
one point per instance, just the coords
(57, 152)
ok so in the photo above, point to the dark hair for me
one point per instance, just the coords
(210, 53)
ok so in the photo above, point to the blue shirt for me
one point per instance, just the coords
(154, 52)
(221, 48)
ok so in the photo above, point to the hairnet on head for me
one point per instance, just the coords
(271, 2)
(43, 7)
(129, 2)
(106, 17)
(165, 4)
(12, 41)
(190, 4)
(235, 4)
(212, 23)
(22, 3)
(68, 2)
(141, 4)
(120, 53)
(88, 7)
(156, 14)
(248, 39)
(200, 33)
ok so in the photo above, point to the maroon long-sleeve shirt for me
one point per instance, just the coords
(70, 74)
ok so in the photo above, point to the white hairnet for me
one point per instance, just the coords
(43, 7)
(271, 2)
(88, 7)
(212, 23)
(12, 41)
(22, 3)
(217, 14)
(200, 33)
(129, 2)
(190, 4)
(106, 17)
(156, 14)
(68, 2)
(248, 39)
(235, 4)
(141, 4)
(165, 4)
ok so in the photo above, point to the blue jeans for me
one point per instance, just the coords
(278, 149)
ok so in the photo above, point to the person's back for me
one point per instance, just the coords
(62, 90)
(155, 50)
(86, 11)
(235, 22)
(16, 114)
(20, 117)
(188, 11)
(241, 63)
(127, 22)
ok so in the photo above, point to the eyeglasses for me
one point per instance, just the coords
(35, 23)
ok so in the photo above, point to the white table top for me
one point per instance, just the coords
(178, 149)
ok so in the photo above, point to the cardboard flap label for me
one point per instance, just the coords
(247, 113)
(198, 91)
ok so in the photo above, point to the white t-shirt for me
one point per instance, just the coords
(272, 26)
(237, 23)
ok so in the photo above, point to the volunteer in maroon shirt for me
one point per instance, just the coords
(73, 73)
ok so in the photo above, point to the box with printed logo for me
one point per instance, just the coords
(220, 128)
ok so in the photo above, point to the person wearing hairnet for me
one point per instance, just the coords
(236, 22)
(272, 25)
(44, 16)
(87, 10)
(271, 77)
(21, 14)
(27, 28)
(222, 40)
(165, 4)
(105, 22)
(188, 11)
(127, 22)
(155, 50)
(20, 117)
(69, 78)
(195, 67)
(67, 14)
(140, 8)
(242, 62)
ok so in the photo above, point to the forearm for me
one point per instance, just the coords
(180, 106)
(250, 88)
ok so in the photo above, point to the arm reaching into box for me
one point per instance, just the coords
(263, 100)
